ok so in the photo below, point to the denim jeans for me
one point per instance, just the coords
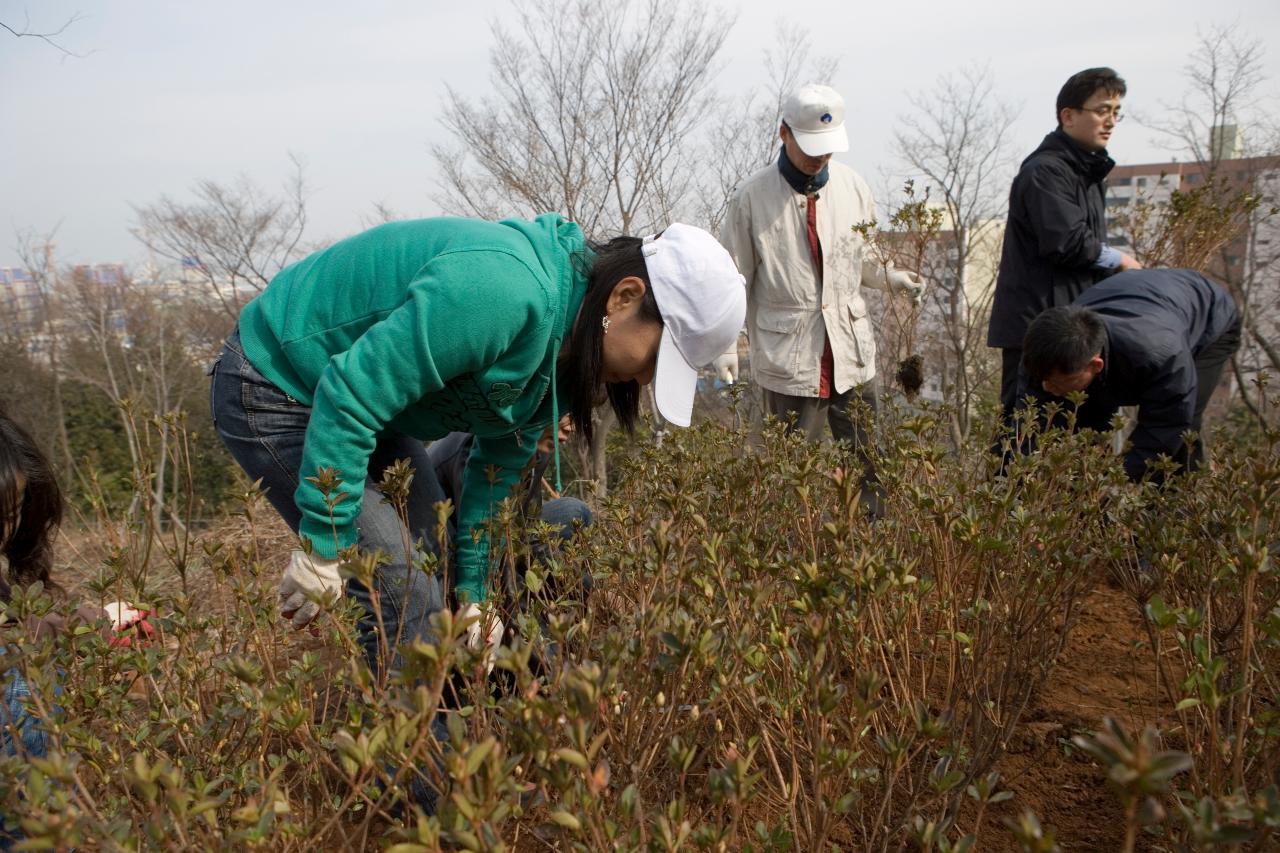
(17, 722)
(14, 718)
(264, 429)
(568, 514)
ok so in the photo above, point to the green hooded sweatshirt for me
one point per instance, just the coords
(423, 328)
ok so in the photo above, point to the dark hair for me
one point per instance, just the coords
(1062, 340)
(1081, 86)
(581, 359)
(28, 545)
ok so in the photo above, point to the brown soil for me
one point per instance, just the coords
(1106, 669)
(911, 374)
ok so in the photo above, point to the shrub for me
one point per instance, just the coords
(758, 667)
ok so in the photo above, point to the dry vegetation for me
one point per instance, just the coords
(757, 667)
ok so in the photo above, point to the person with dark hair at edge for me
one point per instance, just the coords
(354, 356)
(1157, 339)
(1055, 243)
(30, 513)
(790, 227)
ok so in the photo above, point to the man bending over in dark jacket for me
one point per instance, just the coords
(1055, 243)
(1157, 339)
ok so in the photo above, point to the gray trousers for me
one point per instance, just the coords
(849, 415)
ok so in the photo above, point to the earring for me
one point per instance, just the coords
(604, 323)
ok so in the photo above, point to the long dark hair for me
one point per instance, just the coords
(30, 518)
(580, 360)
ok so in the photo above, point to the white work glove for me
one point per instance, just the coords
(122, 615)
(909, 283)
(726, 365)
(307, 582)
(128, 623)
(484, 631)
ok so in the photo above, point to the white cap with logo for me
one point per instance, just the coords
(703, 301)
(815, 114)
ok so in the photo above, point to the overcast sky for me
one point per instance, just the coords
(168, 93)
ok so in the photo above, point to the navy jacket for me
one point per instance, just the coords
(1055, 233)
(1157, 321)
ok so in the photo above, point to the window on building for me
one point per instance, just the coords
(1121, 182)
(1142, 182)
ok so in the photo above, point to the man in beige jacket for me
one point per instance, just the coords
(789, 228)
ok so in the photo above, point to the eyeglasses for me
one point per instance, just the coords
(1103, 113)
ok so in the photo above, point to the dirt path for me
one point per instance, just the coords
(1105, 669)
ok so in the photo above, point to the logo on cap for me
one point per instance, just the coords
(826, 118)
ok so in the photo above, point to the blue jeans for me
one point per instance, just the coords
(31, 740)
(15, 718)
(568, 514)
(264, 429)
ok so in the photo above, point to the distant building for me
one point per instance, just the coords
(103, 274)
(1226, 142)
(1131, 187)
(21, 307)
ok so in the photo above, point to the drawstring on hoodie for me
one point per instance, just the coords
(555, 413)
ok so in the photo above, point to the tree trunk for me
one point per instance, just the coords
(604, 422)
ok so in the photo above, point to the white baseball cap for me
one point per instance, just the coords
(703, 301)
(815, 114)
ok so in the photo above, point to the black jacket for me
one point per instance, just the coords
(1055, 232)
(1158, 321)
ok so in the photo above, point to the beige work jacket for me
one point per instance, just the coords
(788, 313)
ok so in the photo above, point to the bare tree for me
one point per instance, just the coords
(1224, 75)
(954, 143)
(592, 108)
(129, 341)
(592, 114)
(233, 237)
(36, 253)
(1224, 220)
(50, 37)
(381, 214)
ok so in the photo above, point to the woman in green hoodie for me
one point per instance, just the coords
(354, 356)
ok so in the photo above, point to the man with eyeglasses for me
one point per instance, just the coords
(1055, 244)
